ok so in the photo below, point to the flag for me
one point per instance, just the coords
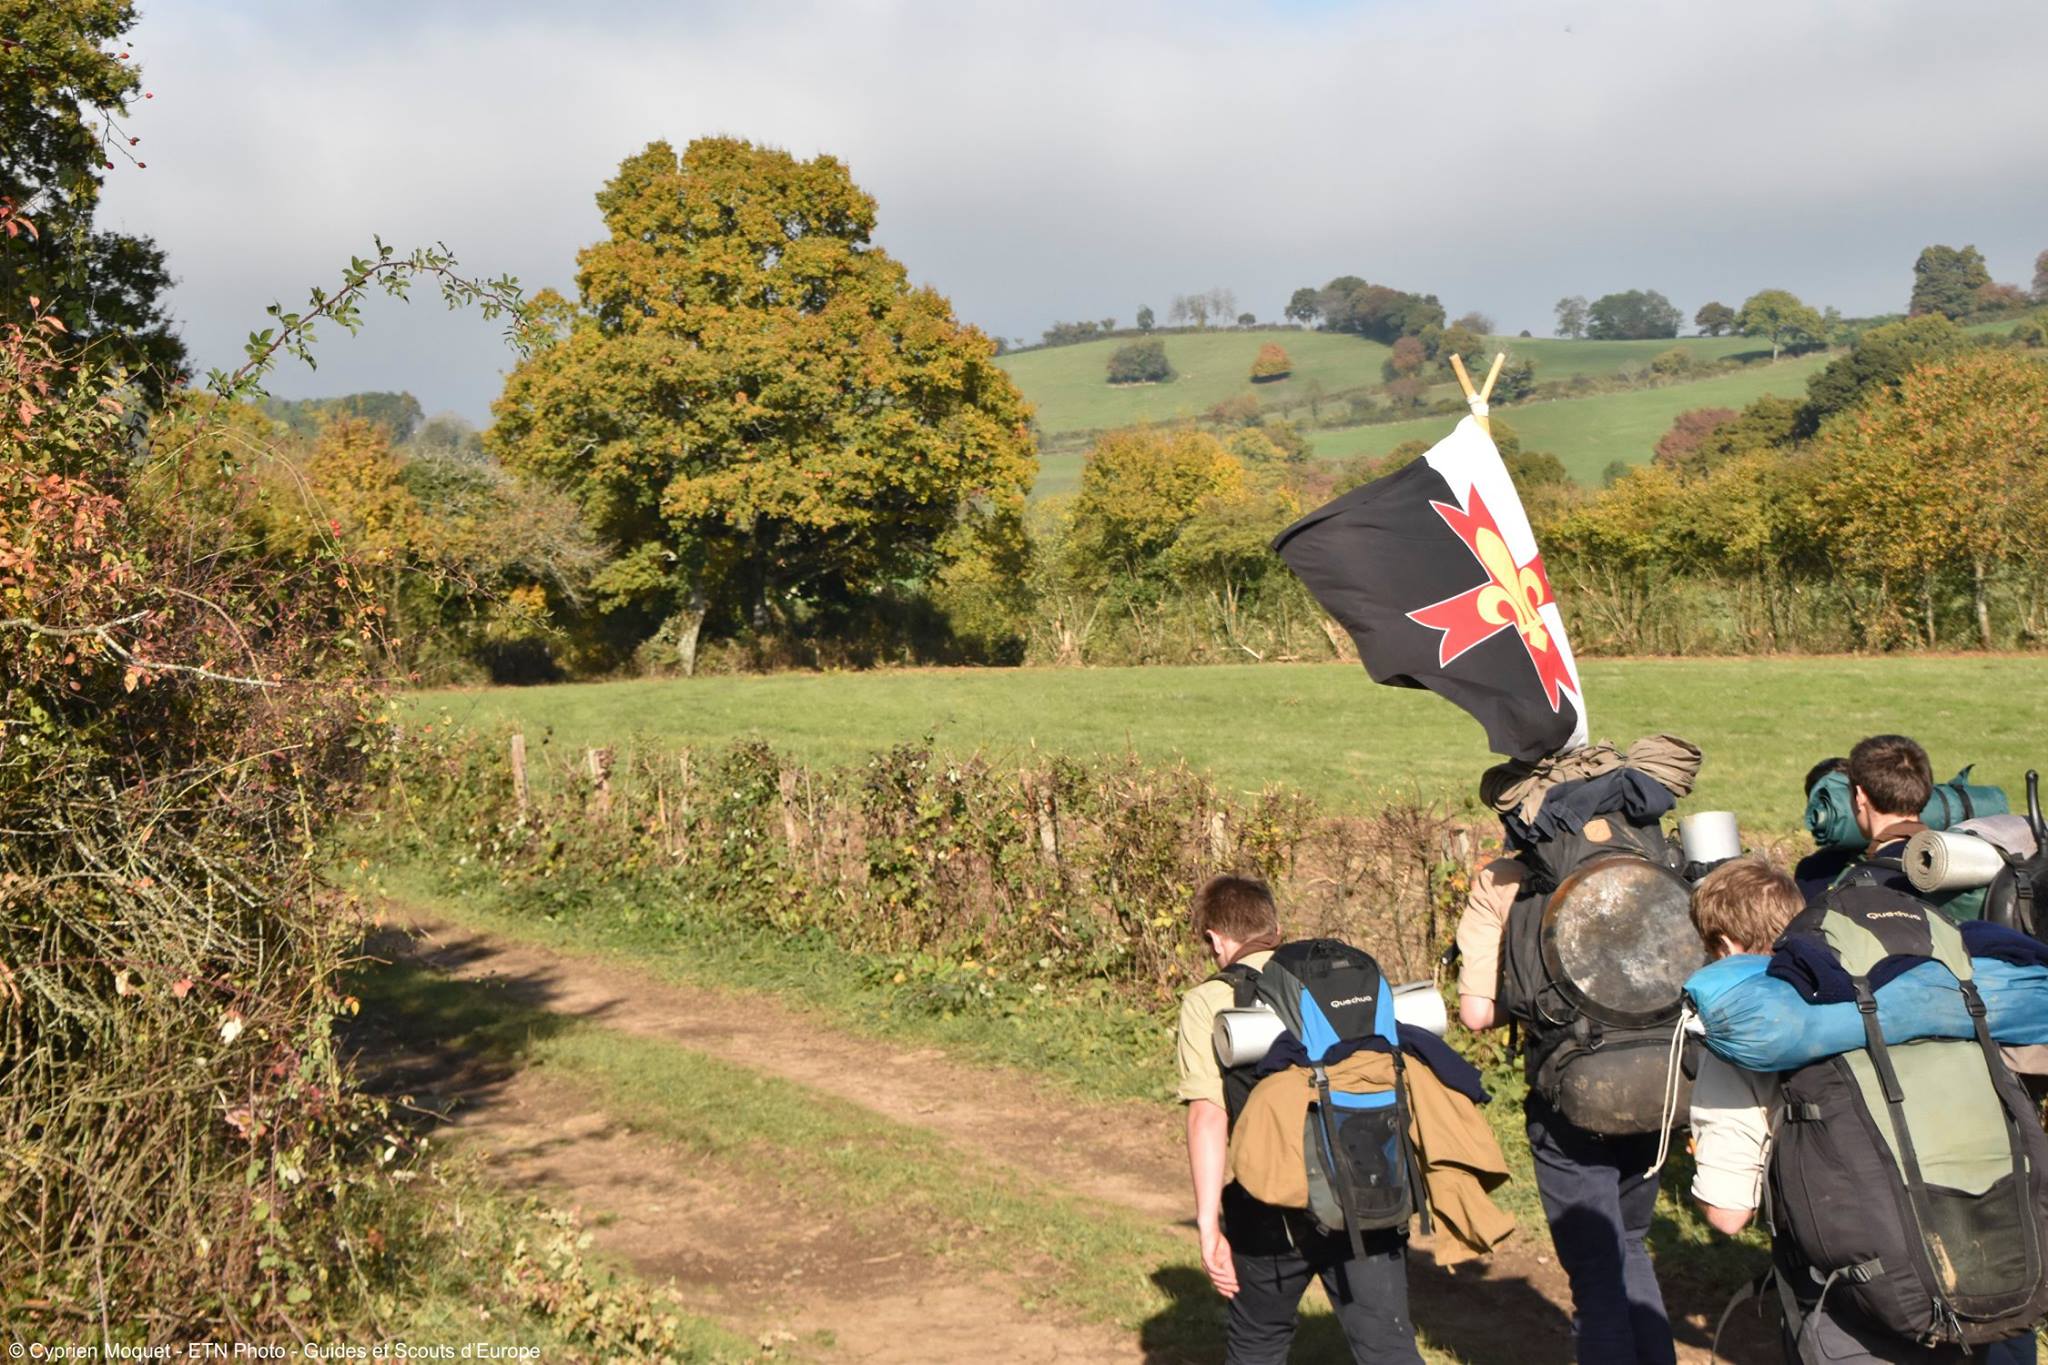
(1434, 571)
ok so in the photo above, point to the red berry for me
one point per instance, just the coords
(149, 94)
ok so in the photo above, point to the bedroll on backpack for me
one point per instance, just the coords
(1911, 1180)
(1593, 968)
(1362, 1172)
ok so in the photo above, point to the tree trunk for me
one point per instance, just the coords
(1927, 606)
(1982, 601)
(693, 627)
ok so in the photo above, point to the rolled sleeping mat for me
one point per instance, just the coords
(1419, 1004)
(1243, 1037)
(1942, 860)
(1709, 836)
(1758, 1022)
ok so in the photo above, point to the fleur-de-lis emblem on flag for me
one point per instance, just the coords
(1512, 595)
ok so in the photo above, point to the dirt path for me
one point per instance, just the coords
(729, 1259)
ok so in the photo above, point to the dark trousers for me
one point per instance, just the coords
(1599, 1202)
(1369, 1295)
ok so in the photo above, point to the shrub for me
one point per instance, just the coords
(1271, 363)
(194, 712)
(1667, 364)
(1140, 362)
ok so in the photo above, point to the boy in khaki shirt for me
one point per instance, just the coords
(1261, 1257)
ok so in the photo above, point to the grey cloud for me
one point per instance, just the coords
(1076, 159)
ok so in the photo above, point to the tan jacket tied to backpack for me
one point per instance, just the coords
(1461, 1160)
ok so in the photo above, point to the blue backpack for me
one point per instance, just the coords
(1363, 1173)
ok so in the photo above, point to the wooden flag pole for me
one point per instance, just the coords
(1465, 383)
(1499, 359)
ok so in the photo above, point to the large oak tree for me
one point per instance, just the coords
(753, 404)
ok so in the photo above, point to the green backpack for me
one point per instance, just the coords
(1910, 1182)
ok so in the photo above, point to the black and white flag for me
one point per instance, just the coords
(1434, 571)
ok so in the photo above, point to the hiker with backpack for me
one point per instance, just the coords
(1904, 1182)
(1260, 1256)
(1598, 1050)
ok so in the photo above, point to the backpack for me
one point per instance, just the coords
(1605, 1072)
(1363, 1173)
(1910, 1180)
(2018, 895)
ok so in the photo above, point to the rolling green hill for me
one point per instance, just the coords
(1587, 434)
(1067, 385)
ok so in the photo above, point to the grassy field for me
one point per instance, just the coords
(1066, 384)
(1589, 434)
(1322, 728)
(1557, 358)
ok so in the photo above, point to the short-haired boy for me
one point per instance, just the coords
(1259, 1256)
(1743, 906)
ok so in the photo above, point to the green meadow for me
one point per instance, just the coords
(1068, 385)
(1588, 434)
(1322, 728)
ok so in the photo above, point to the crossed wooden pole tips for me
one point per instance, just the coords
(1477, 397)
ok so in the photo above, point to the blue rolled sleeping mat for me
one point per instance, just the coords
(1762, 1021)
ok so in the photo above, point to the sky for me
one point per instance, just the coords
(1076, 159)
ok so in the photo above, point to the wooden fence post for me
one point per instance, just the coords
(600, 761)
(519, 789)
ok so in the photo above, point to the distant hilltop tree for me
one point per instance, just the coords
(1373, 311)
(1305, 306)
(1476, 321)
(1634, 315)
(1713, 319)
(1571, 317)
(1271, 363)
(1072, 333)
(1140, 362)
(1777, 316)
(1946, 281)
(1247, 320)
(2041, 278)
(1144, 317)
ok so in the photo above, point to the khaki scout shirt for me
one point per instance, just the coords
(1201, 1075)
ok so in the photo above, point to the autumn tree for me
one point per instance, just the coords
(1138, 489)
(752, 404)
(1946, 474)
(65, 85)
(1691, 427)
(1946, 281)
(1476, 321)
(1780, 318)
(1405, 359)
(1271, 363)
(1880, 358)
(1713, 319)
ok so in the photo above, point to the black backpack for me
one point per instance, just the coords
(2018, 895)
(1909, 1181)
(1363, 1173)
(1605, 1072)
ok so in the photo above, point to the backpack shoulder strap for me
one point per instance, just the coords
(1244, 979)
